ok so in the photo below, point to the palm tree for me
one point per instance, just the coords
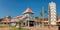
(20, 21)
(36, 18)
(42, 15)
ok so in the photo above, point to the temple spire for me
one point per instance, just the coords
(28, 10)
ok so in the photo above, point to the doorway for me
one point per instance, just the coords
(59, 28)
(31, 23)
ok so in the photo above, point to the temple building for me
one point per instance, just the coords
(28, 19)
(6, 20)
(52, 13)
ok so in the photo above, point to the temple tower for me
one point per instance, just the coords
(52, 13)
(28, 12)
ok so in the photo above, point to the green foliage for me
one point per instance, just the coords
(11, 27)
(44, 13)
(36, 18)
(14, 28)
(41, 14)
(20, 22)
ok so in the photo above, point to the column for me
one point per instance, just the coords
(36, 24)
(28, 23)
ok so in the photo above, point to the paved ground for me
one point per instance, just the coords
(44, 28)
(4, 27)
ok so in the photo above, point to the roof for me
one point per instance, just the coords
(28, 10)
(45, 20)
(15, 19)
(18, 18)
(5, 21)
(21, 17)
(58, 19)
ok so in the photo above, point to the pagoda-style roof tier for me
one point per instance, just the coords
(28, 10)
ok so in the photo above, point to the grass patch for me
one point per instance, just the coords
(14, 28)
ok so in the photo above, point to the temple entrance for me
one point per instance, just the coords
(31, 23)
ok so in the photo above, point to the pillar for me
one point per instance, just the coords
(28, 23)
(25, 24)
(36, 24)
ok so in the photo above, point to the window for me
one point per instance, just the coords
(46, 23)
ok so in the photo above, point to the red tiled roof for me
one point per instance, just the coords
(28, 10)
(45, 19)
(5, 21)
(58, 19)
(21, 17)
(18, 18)
(15, 19)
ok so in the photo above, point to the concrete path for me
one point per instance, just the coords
(4, 27)
(40, 28)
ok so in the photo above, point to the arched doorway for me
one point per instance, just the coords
(31, 23)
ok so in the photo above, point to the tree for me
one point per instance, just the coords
(20, 21)
(36, 18)
(42, 15)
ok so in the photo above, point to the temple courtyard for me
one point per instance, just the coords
(8, 27)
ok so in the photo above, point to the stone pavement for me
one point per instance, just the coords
(4, 27)
(35, 28)
(44, 28)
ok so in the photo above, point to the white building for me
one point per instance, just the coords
(52, 13)
(28, 19)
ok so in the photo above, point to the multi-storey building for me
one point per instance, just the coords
(52, 13)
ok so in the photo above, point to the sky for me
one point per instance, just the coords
(16, 8)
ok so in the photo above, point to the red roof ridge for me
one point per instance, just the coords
(28, 10)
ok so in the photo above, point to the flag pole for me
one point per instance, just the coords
(42, 17)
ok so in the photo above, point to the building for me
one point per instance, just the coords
(52, 13)
(29, 20)
(6, 19)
